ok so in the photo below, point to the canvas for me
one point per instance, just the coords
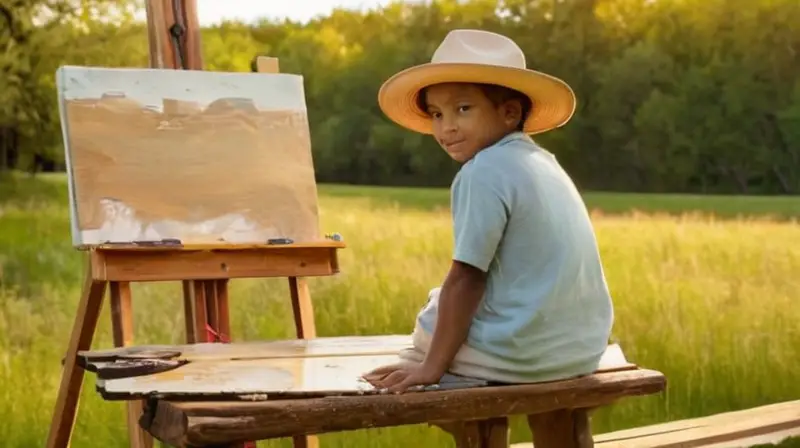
(198, 156)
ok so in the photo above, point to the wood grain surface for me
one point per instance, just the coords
(769, 423)
(202, 423)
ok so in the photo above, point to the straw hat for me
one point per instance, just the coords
(479, 57)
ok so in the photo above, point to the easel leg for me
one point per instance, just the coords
(200, 312)
(122, 328)
(566, 428)
(69, 391)
(302, 308)
(224, 316)
(306, 329)
(212, 313)
(205, 305)
(188, 310)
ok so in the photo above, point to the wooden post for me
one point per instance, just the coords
(168, 20)
(489, 433)
(173, 32)
(564, 428)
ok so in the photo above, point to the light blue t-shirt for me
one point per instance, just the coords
(547, 310)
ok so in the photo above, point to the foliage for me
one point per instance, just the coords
(674, 95)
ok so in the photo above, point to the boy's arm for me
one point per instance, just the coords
(480, 214)
(460, 296)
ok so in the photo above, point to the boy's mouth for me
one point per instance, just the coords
(449, 145)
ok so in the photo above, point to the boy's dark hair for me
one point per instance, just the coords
(497, 95)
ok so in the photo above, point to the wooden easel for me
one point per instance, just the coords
(115, 267)
(204, 270)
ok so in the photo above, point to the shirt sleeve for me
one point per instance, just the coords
(480, 214)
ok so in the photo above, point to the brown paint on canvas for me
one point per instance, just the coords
(188, 165)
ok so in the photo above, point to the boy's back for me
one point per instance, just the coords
(546, 312)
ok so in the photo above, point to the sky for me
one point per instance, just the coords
(212, 11)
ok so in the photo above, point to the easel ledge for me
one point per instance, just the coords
(135, 263)
(211, 246)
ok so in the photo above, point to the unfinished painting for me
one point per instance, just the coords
(198, 156)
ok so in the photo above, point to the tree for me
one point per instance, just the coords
(673, 95)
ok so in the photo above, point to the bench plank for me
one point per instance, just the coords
(274, 369)
(204, 423)
(764, 424)
(774, 438)
(710, 430)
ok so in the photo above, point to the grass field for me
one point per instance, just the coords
(705, 290)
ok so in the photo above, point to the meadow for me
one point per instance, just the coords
(705, 290)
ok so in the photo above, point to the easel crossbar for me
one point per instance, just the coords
(171, 265)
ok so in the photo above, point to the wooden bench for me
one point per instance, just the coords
(770, 424)
(213, 394)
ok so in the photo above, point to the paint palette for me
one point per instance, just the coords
(196, 156)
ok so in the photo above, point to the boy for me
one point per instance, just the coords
(525, 299)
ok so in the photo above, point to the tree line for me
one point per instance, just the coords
(674, 95)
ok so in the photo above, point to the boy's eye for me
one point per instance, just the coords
(464, 108)
(436, 114)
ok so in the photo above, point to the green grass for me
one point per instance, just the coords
(711, 302)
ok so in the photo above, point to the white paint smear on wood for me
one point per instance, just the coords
(121, 224)
(298, 375)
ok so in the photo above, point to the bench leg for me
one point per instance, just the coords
(565, 428)
(490, 433)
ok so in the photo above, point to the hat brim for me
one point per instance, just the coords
(553, 100)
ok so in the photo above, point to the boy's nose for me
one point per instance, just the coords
(450, 125)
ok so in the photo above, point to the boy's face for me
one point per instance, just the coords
(465, 120)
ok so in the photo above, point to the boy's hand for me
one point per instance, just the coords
(399, 377)
(461, 293)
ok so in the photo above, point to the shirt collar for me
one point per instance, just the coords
(513, 136)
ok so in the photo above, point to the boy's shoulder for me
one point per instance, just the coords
(510, 146)
(496, 163)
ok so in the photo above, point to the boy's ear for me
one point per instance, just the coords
(512, 112)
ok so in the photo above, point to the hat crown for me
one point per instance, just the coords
(479, 47)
